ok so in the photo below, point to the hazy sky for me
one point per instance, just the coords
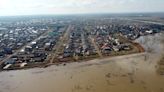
(30, 7)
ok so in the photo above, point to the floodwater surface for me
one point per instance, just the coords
(129, 73)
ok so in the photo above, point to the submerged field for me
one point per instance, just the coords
(129, 73)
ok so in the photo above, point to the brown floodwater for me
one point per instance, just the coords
(130, 73)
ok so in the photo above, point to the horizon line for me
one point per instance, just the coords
(117, 13)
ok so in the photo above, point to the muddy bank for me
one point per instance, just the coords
(133, 73)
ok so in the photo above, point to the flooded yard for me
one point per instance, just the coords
(129, 73)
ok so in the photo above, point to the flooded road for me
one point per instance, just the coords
(130, 73)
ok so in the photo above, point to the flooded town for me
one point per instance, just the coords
(81, 45)
(40, 42)
(81, 54)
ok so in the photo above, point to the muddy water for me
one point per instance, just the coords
(132, 73)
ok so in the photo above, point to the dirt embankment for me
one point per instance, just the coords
(140, 48)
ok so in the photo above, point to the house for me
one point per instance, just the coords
(7, 66)
(23, 64)
(38, 59)
(106, 50)
(8, 50)
(28, 48)
(115, 48)
(2, 54)
(149, 31)
(10, 61)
